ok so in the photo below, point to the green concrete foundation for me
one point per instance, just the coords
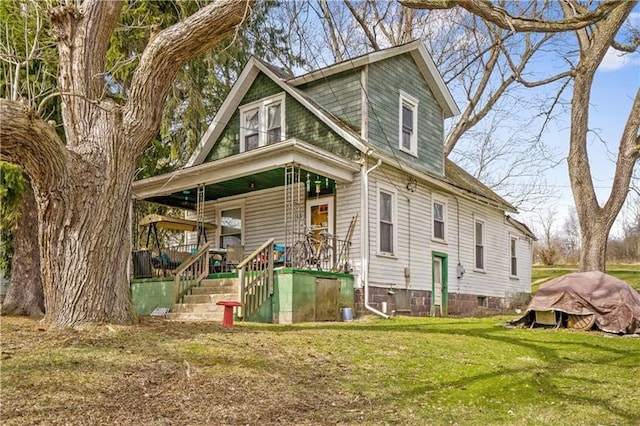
(309, 296)
(150, 293)
(298, 296)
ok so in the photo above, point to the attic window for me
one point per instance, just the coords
(408, 120)
(262, 123)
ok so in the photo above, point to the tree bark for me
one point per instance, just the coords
(25, 294)
(83, 189)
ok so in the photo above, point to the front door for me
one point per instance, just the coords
(320, 215)
(439, 291)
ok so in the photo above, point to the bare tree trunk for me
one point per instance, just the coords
(593, 256)
(25, 295)
(83, 188)
(85, 235)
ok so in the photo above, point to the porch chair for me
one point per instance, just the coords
(235, 254)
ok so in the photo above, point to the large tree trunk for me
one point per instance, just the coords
(593, 256)
(595, 220)
(85, 237)
(83, 188)
(25, 295)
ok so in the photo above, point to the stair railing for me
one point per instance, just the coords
(190, 273)
(255, 274)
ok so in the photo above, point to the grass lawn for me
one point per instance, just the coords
(405, 371)
(629, 273)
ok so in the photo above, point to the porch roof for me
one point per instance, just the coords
(260, 168)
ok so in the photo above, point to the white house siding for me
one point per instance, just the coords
(412, 228)
(414, 246)
(348, 200)
(264, 217)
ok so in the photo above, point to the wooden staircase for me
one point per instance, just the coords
(200, 305)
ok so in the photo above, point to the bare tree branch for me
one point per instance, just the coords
(363, 25)
(629, 48)
(499, 16)
(32, 144)
(165, 54)
(335, 45)
(83, 37)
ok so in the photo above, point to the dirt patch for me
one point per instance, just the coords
(161, 372)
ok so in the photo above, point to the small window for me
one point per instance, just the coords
(408, 119)
(407, 126)
(479, 243)
(514, 257)
(385, 214)
(439, 212)
(482, 302)
(261, 123)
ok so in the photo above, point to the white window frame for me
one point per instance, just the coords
(442, 201)
(262, 105)
(410, 101)
(513, 256)
(482, 244)
(394, 220)
(229, 206)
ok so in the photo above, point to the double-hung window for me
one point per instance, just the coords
(439, 214)
(514, 257)
(262, 123)
(479, 244)
(386, 222)
(408, 119)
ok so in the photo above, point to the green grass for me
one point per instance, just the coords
(405, 371)
(629, 273)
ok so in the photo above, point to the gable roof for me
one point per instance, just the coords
(240, 88)
(419, 54)
(289, 85)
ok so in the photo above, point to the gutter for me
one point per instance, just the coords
(364, 238)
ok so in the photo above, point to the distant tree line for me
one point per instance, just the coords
(563, 246)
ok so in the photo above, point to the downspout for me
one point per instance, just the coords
(364, 238)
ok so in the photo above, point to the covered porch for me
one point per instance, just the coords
(277, 205)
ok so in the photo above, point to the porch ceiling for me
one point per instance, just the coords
(188, 198)
(259, 169)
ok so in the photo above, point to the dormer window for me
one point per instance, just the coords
(408, 120)
(261, 123)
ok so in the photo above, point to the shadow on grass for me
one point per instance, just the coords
(545, 344)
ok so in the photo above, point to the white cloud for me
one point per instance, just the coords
(614, 60)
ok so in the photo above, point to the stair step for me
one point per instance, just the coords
(216, 282)
(195, 316)
(196, 308)
(209, 298)
(215, 288)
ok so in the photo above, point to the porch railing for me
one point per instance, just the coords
(190, 273)
(255, 274)
(160, 262)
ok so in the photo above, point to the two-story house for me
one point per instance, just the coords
(356, 149)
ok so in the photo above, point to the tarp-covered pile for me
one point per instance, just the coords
(614, 303)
